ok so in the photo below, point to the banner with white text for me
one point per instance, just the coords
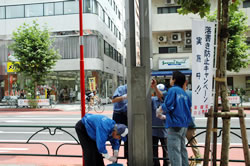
(202, 65)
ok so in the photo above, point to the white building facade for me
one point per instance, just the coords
(172, 43)
(104, 38)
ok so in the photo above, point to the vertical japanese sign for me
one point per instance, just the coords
(202, 65)
(92, 85)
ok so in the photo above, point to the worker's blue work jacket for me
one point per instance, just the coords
(160, 132)
(99, 129)
(177, 106)
(122, 105)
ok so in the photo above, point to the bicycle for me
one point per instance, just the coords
(97, 106)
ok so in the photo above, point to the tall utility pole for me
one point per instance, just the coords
(139, 80)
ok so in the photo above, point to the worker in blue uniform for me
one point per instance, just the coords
(93, 131)
(120, 109)
(176, 106)
(159, 134)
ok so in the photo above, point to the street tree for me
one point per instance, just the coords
(33, 49)
(229, 48)
(237, 48)
(228, 53)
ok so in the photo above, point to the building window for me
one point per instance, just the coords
(15, 11)
(2, 12)
(111, 26)
(114, 30)
(114, 54)
(246, 4)
(111, 51)
(49, 9)
(106, 48)
(103, 16)
(100, 13)
(164, 10)
(71, 7)
(87, 6)
(119, 14)
(109, 23)
(120, 36)
(58, 8)
(163, 50)
(34, 10)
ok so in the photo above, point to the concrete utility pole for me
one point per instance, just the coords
(139, 81)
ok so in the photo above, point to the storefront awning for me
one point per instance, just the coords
(169, 73)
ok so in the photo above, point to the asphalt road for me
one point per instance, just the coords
(68, 118)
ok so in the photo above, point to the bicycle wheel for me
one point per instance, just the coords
(87, 108)
(99, 108)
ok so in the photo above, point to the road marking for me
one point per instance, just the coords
(38, 141)
(25, 132)
(61, 122)
(14, 149)
(42, 118)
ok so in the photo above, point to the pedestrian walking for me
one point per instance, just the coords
(93, 131)
(176, 106)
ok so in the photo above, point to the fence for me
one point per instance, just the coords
(52, 130)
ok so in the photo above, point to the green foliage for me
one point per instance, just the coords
(237, 49)
(202, 7)
(33, 49)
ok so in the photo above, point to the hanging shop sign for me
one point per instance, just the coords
(182, 63)
(11, 68)
(92, 86)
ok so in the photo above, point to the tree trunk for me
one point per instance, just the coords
(223, 85)
(223, 55)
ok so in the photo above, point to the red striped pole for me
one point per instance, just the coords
(82, 78)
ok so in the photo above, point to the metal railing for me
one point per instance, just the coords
(52, 130)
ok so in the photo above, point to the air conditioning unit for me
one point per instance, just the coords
(188, 41)
(188, 34)
(162, 39)
(175, 37)
(170, 2)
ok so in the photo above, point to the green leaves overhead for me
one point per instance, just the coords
(237, 49)
(202, 7)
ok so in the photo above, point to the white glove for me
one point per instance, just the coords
(162, 117)
(112, 158)
(116, 152)
(158, 112)
(124, 96)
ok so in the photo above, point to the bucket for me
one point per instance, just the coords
(115, 164)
